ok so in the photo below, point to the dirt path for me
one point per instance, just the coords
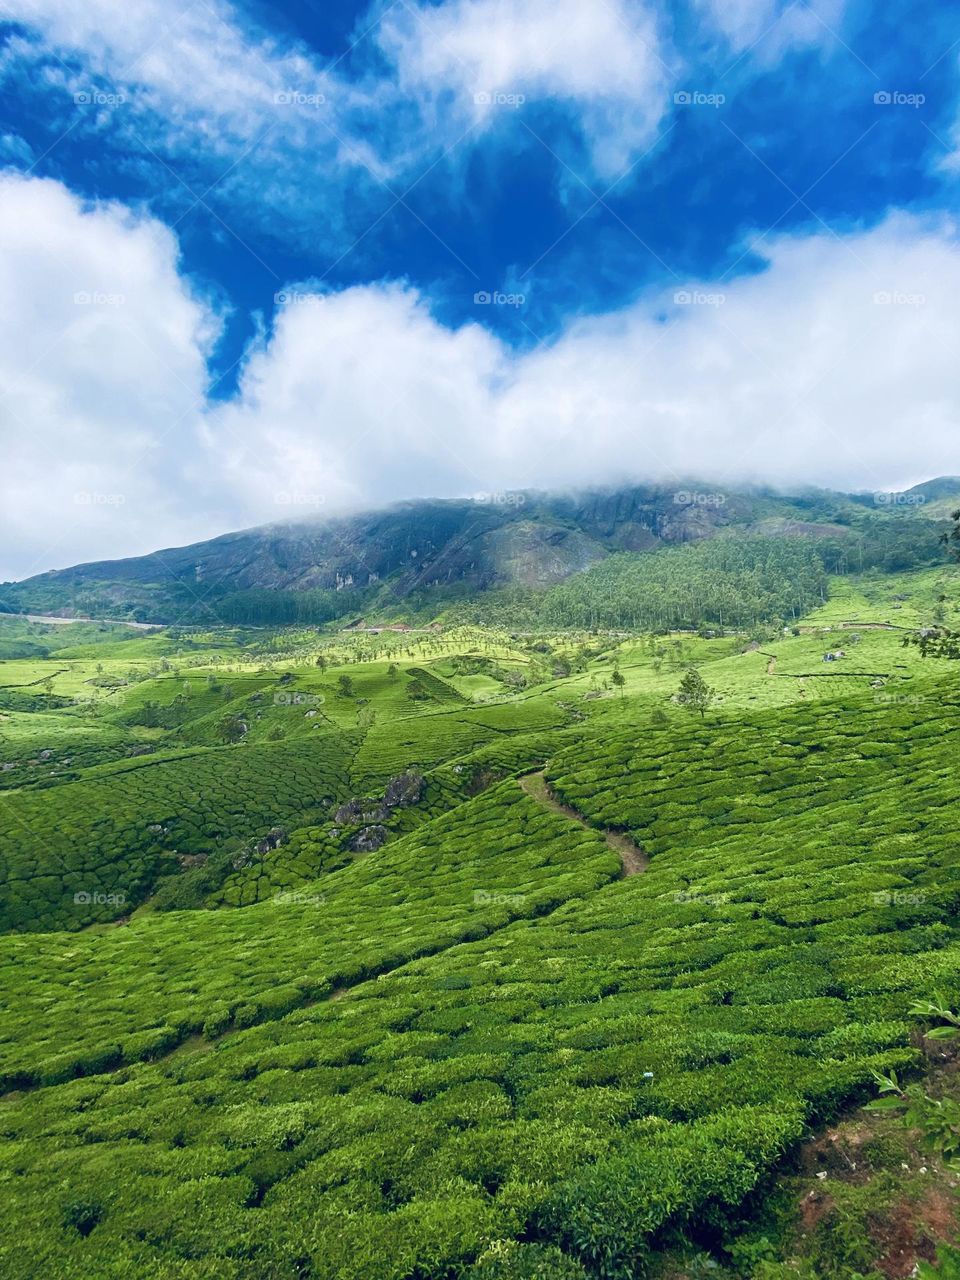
(633, 860)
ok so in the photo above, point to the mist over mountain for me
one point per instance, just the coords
(423, 552)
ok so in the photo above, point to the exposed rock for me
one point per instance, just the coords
(191, 859)
(349, 812)
(361, 810)
(272, 840)
(404, 790)
(369, 839)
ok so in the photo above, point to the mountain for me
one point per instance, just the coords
(421, 550)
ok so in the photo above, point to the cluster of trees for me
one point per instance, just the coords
(265, 608)
(890, 543)
(726, 581)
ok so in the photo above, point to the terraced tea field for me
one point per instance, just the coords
(533, 973)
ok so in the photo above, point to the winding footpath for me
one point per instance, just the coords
(633, 860)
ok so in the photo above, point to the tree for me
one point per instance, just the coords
(695, 694)
(940, 641)
(416, 692)
(393, 671)
(345, 686)
(150, 715)
(619, 679)
(951, 540)
(231, 728)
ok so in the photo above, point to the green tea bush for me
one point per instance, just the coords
(91, 850)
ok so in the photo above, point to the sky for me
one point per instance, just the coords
(273, 261)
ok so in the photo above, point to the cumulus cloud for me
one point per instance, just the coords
(103, 350)
(833, 364)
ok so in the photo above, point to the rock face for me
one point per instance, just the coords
(404, 790)
(401, 792)
(369, 839)
(531, 538)
(272, 840)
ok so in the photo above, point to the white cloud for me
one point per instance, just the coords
(770, 27)
(476, 58)
(181, 60)
(833, 365)
(191, 95)
(15, 150)
(196, 75)
(103, 353)
(234, 112)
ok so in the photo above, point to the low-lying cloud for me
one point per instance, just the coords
(833, 364)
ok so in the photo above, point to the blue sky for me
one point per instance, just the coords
(267, 261)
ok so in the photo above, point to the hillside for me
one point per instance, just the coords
(423, 555)
(470, 955)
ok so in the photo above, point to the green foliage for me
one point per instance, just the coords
(695, 694)
(479, 1051)
(937, 1119)
(90, 850)
(947, 1268)
(726, 581)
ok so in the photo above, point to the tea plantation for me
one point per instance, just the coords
(363, 1007)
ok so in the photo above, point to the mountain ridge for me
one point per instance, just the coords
(528, 538)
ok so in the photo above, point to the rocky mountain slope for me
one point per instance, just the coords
(526, 538)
